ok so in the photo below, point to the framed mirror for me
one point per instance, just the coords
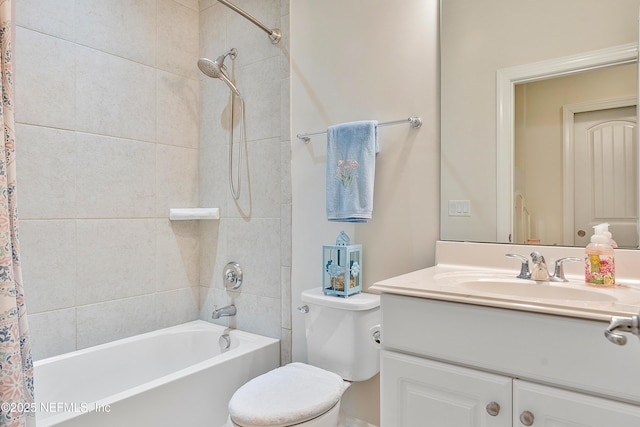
(488, 51)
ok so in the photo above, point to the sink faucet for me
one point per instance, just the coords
(229, 310)
(539, 272)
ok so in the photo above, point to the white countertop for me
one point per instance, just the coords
(432, 283)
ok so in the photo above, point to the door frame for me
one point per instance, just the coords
(506, 79)
(568, 119)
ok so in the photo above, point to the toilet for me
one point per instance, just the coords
(340, 349)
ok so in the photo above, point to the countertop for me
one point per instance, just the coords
(435, 283)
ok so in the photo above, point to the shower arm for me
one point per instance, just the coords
(274, 34)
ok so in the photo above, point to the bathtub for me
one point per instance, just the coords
(178, 376)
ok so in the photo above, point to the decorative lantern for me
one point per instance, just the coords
(342, 265)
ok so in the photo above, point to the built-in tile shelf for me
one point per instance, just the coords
(186, 214)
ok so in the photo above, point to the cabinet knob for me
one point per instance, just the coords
(493, 408)
(526, 418)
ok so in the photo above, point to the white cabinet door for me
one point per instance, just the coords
(417, 392)
(551, 407)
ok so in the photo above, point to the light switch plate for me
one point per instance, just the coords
(459, 207)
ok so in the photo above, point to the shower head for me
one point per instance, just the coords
(216, 69)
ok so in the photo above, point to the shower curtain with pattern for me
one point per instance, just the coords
(16, 367)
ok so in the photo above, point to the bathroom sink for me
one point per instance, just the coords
(530, 289)
(513, 288)
(500, 288)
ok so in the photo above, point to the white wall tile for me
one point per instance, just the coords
(285, 346)
(52, 333)
(256, 246)
(213, 253)
(285, 235)
(285, 172)
(204, 4)
(45, 90)
(113, 320)
(259, 84)
(193, 4)
(285, 109)
(115, 96)
(115, 177)
(177, 109)
(213, 29)
(124, 28)
(214, 191)
(47, 251)
(284, 7)
(140, 140)
(284, 45)
(176, 178)
(56, 18)
(285, 297)
(46, 160)
(258, 314)
(215, 112)
(177, 306)
(177, 37)
(116, 259)
(263, 159)
(177, 264)
(252, 42)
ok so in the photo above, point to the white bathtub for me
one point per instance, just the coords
(174, 376)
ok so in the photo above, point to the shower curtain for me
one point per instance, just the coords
(16, 367)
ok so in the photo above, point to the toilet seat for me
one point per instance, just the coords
(286, 396)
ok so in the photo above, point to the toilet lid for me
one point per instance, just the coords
(287, 395)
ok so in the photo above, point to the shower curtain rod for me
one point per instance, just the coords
(415, 123)
(275, 35)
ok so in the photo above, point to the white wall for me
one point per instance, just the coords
(356, 60)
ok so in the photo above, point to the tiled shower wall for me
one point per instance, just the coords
(255, 230)
(109, 130)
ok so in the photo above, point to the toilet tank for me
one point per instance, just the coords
(339, 333)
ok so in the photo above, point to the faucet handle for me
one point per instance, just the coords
(558, 271)
(537, 258)
(524, 268)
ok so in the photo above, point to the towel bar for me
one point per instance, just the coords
(414, 122)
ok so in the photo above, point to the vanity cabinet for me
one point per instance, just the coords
(447, 364)
(422, 392)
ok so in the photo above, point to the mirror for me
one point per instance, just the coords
(517, 38)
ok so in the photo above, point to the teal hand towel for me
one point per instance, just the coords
(351, 165)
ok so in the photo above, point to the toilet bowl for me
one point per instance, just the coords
(339, 348)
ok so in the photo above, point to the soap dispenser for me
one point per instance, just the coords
(599, 263)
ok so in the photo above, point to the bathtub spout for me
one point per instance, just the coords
(229, 310)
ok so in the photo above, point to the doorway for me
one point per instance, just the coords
(601, 170)
(605, 174)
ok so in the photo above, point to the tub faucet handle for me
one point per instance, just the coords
(232, 275)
